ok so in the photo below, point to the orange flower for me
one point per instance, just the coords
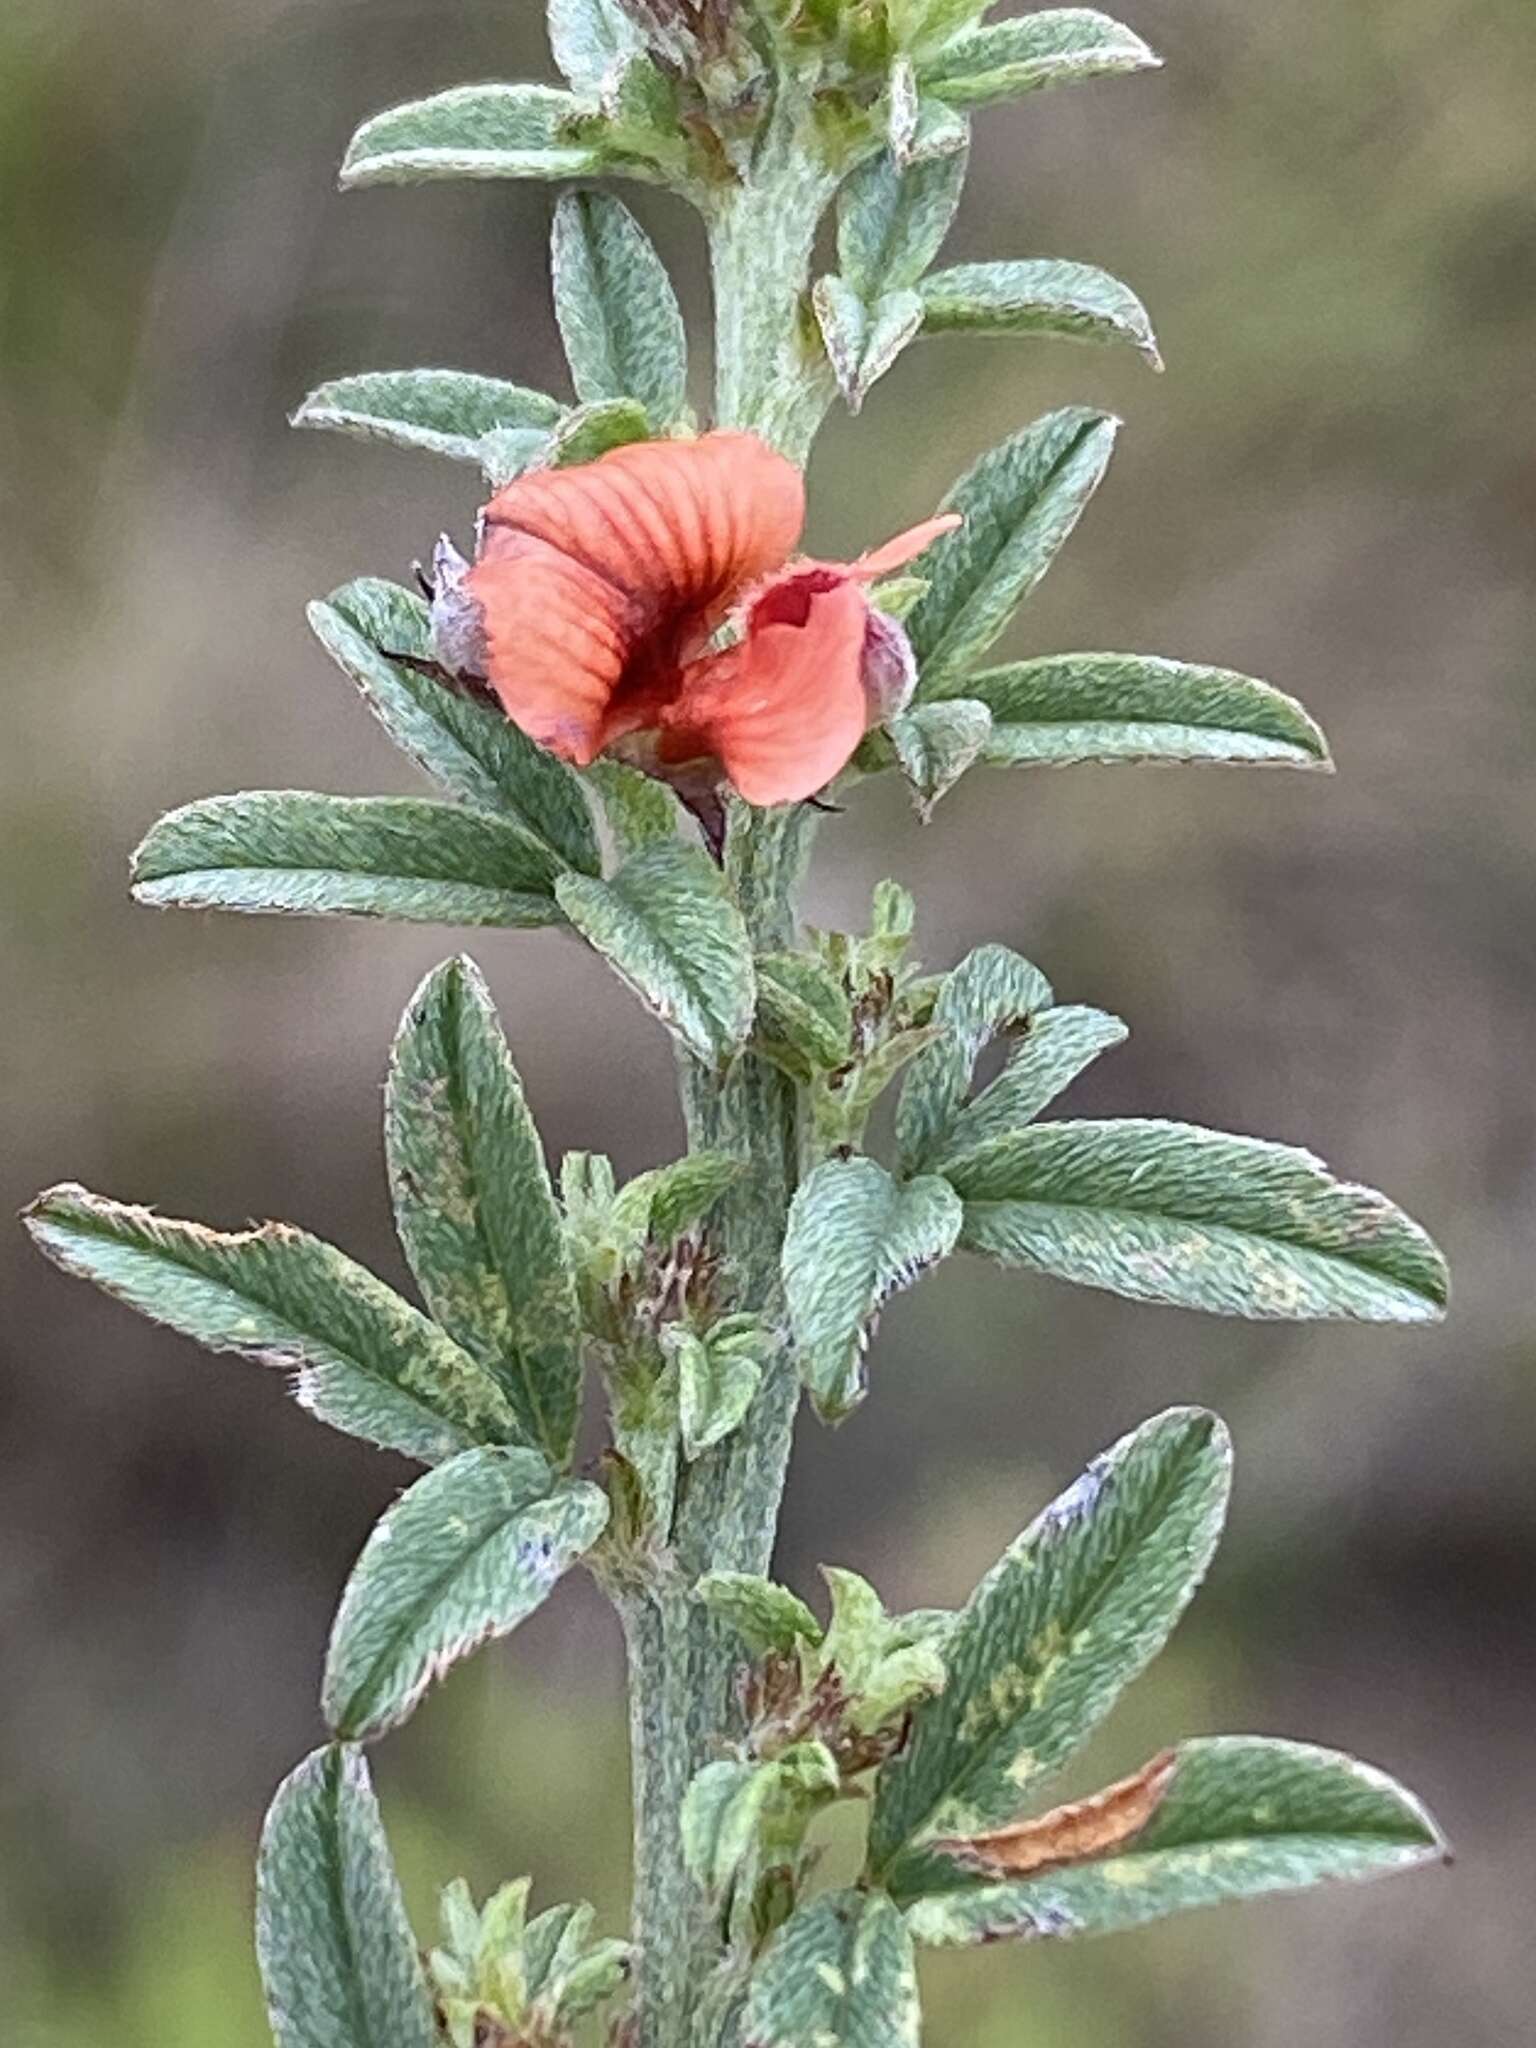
(652, 593)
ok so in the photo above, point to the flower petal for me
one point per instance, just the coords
(904, 548)
(784, 709)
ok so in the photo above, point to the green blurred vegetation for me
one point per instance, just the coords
(1329, 210)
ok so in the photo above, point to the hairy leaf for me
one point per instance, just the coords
(715, 1387)
(592, 430)
(619, 317)
(1074, 1609)
(639, 810)
(804, 1013)
(364, 1360)
(1030, 52)
(444, 412)
(1200, 1219)
(839, 1973)
(855, 1237)
(863, 341)
(1244, 1816)
(347, 856)
(891, 221)
(338, 1960)
(669, 926)
(471, 131)
(1041, 297)
(766, 1616)
(936, 743)
(474, 1206)
(591, 40)
(469, 1552)
(992, 990)
(1066, 708)
(1019, 503)
(472, 748)
(1050, 1051)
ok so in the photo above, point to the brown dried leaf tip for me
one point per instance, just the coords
(1075, 1833)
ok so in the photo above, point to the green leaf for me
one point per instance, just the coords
(619, 317)
(473, 749)
(591, 430)
(662, 1203)
(1032, 51)
(839, 1973)
(1065, 708)
(892, 221)
(936, 743)
(863, 341)
(474, 1206)
(364, 1360)
(639, 809)
(471, 131)
(1043, 297)
(1019, 504)
(338, 1960)
(992, 990)
(1050, 1050)
(766, 1616)
(346, 856)
(464, 1556)
(722, 1810)
(1244, 1816)
(669, 926)
(1074, 1609)
(444, 412)
(715, 1388)
(804, 1014)
(1200, 1219)
(854, 1238)
(591, 40)
(509, 452)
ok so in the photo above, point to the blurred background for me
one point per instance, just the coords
(1329, 209)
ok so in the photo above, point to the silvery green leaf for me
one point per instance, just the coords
(646, 1433)
(363, 1359)
(1042, 297)
(901, 109)
(347, 856)
(767, 1617)
(804, 1013)
(662, 1203)
(892, 220)
(339, 1963)
(839, 1973)
(1048, 1053)
(936, 743)
(1074, 1609)
(992, 990)
(472, 748)
(715, 1387)
(590, 39)
(1066, 708)
(474, 1207)
(862, 341)
(639, 810)
(669, 926)
(464, 1556)
(1019, 503)
(855, 1237)
(619, 317)
(471, 131)
(1244, 1817)
(1199, 1219)
(510, 452)
(444, 412)
(1030, 52)
(721, 1812)
(591, 430)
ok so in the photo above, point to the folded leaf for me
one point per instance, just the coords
(1065, 708)
(471, 747)
(590, 40)
(464, 1556)
(364, 1360)
(804, 1014)
(766, 1616)
(1049, 1052)
(936, 743)
(716, 1383)
(855, 1236)
(1030, 52)
(863, 341)
(669, 926)
(891, 221)
(338, 1960)
(471, 131)
(839, 1973)
(1070, 1614)
(444, 412)
(1244, 1816)
(347, 856)
(1200, 1219)
(619, 317)
(639, 810)
(1043, 297)
(474, 1206)
(591, 430)
(992, 990)
(1018, 503)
